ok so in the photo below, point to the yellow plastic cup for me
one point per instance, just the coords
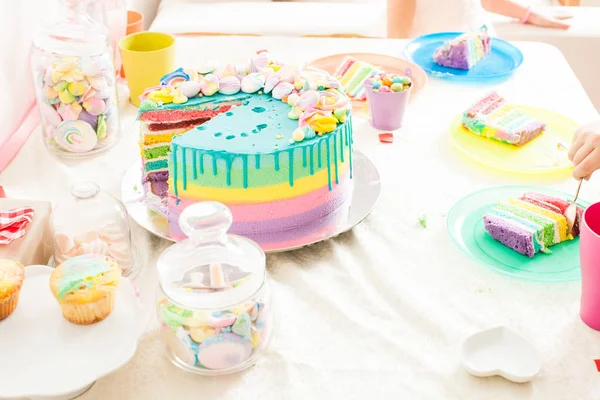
(147, 57)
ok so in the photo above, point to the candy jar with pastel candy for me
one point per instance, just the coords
(214, 302)
(75, 84)
(92, 221)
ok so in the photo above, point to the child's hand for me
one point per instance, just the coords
(585, 151)
(556, 22)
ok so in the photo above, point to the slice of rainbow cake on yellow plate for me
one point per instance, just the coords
(493, 118)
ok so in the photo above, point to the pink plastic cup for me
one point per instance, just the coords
(386, 109)
(590, 266)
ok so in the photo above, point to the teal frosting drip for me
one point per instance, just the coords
(342, 145)
(194, 164)
(348, 134)
(291, 168)
(335, 158)
(319, 156)
(312, 160)
(228, 170)
(174, 152)
(184, 175)
(267, 141)
(245, 170)
(328, 164)
(304, 157)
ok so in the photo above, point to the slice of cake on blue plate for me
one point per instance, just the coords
(465, 51)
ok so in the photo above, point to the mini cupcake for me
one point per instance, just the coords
(12, 274)
(85, 287)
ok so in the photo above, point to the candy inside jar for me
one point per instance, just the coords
(93, 222)
(75, 83)
(214, 302)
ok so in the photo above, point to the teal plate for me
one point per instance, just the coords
(465, 225)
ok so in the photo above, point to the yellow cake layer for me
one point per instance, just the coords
(560, 219)
(164, 138)
(263, 194)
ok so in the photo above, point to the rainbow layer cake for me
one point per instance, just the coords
(465, 51)
(531, 224)
(492, 118)
(272, 141)
(352, 74)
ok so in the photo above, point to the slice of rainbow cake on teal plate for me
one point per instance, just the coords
(465, 51)
(272, 141)
(531, 224)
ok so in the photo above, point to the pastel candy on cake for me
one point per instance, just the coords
(229, 85)
(465, 51)
(492, 118)
(529, 224)
(189, 88)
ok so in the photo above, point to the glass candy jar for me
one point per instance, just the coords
(75, 86)
(214, 301)
(93, 222)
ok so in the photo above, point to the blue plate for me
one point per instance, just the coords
(501, 62)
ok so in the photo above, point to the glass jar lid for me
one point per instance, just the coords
(72, 32)
(210, 269)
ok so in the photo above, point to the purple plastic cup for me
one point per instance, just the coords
(386, 109)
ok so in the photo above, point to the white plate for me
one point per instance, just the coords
(44, 356)
(501, 351)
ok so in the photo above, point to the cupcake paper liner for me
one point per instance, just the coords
(85, 314)
(9, 305)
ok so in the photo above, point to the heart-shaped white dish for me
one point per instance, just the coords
(501, 351)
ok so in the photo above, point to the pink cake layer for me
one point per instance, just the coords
(274, 216)
(181, 115)
(186, 125)
(486, 106)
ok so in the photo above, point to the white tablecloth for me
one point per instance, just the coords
(379, 312)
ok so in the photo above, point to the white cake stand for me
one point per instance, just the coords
(44, 356)
(150, 215)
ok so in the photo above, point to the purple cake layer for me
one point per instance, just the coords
(457, 57)
(157, 176)
(511, 235)
(158, 182)
(310, 232)
(533, 131)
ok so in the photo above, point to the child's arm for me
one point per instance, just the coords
(400, 18)
(514, 10)
(585, 151)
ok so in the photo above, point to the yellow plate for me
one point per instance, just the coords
(548, 153)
